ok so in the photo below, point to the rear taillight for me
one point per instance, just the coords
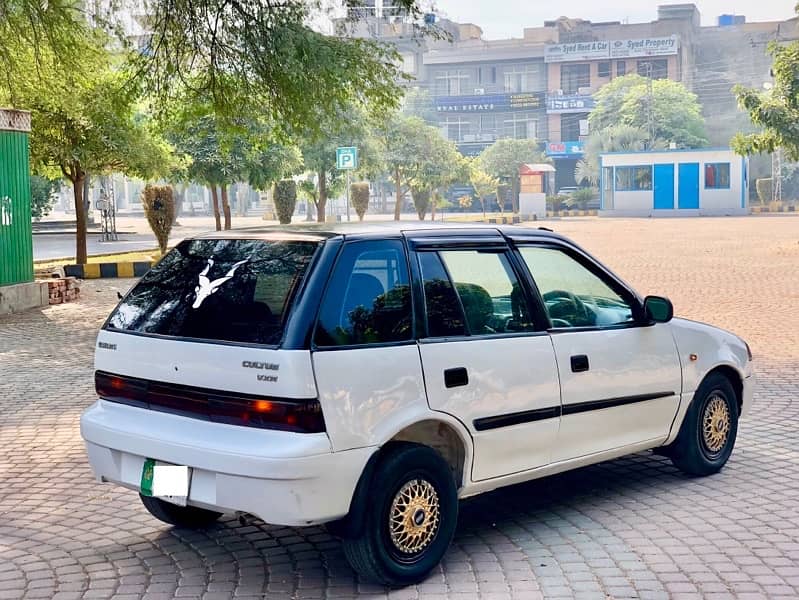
(288, 414)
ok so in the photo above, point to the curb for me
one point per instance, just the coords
(572, 213)
(108, 270)
(777, 209)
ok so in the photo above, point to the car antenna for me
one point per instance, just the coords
(546, 229)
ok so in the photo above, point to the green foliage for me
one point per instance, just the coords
(418, 102)
(775, 112)
(159, 208)
(676, 112)
(421, 200)
(484, 184)
(580, 197)
(42, 190)
(359, 195)
(764, 189)
(614, 138)
(285, 200)
(270, 163)
(503, 159)
(555, 202)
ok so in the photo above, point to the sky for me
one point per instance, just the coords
(507, 18)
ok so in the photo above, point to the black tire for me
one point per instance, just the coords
(378, 555)
(708, 432)
(190, 517)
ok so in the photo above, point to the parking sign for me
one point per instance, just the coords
(347, 158)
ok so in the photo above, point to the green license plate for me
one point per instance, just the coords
(147, 472)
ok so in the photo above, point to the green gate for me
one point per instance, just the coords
(16, 239)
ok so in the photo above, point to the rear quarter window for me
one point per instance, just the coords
(220, 290)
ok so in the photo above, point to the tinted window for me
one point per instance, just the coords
(573, 295)
(717, 175)
(492, 299)
(368, 299)
(226, 290)
(444, 313)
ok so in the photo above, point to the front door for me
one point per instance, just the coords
(688, 185)
(485, 361)
(664, 187)
(620, 379)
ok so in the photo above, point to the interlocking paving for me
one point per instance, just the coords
(628, 528)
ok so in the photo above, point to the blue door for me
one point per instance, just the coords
(688, 186)
(664, 186)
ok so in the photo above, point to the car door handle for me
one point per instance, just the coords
(579, 363)
(456, 377)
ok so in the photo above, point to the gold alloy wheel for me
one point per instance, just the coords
(414, 516)
(716, 424)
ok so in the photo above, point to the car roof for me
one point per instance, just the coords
(374, 229)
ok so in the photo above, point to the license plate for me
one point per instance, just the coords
(167, 482)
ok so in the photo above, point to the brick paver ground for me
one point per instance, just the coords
(629, 528)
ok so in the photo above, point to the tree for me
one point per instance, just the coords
(614, 138)
(84, 120)
(483, 183)
(42, 189)
(359, 193)
(775, 111)
(504, 158)
(419, 103)
(272, 163)
(159, 208)
(671, 111)
(285, 200)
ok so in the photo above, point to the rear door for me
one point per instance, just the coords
(487, 359)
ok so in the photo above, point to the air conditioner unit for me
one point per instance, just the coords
(479, 91)
(558, 92)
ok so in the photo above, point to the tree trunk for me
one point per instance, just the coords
(500, 199)
(225, 205)
(215, 197)
(321, 204)
(80, 216)
(399, 195)
(514, 194)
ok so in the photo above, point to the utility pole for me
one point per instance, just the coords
(650, 96)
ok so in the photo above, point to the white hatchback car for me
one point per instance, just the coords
(367, 377)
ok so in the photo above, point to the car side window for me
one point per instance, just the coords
(574, 296)
(444, 311)
(489, 292)
(368, 298)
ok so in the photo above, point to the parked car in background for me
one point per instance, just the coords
(367, 377)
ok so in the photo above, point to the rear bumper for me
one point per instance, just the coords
(284, 478)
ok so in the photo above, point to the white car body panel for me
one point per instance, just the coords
(506, 375)
(624, 362)
(206, 365)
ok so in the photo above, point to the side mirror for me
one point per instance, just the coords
(658, 309)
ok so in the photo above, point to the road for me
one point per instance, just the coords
(629, 528)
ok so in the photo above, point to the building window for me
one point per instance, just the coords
(520, 78)
(521, 126)
(452, 83)
(621, 68)
(656, 69)
(717, 176)
(575, 76)
(455, 127)
(633, 179)
(603, 69)
(487, 75)
(570, 126)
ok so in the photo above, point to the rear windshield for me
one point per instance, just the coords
(224, 290)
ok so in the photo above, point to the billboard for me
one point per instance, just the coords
(599, 50)
(569, 104)
(490, 102)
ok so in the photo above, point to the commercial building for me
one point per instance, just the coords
(712, 181)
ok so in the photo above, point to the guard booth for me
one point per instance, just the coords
(18, 291)
(532, 191)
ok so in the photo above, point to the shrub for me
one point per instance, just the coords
(421, 201)
(159, 208)
(555, 202)
(359, 195)
(763, 187)
(580, 198)
(285, 200)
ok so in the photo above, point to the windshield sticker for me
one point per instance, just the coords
(207, 287)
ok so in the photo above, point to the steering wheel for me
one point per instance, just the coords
(565, 307)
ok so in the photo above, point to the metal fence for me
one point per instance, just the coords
(16, 240)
